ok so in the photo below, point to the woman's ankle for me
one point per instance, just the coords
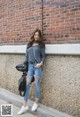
(25, 104)
(37, 101)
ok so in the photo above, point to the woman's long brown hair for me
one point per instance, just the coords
(41, 43)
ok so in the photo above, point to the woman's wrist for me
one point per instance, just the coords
(41, 63)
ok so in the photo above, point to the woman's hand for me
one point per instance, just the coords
(38, 65)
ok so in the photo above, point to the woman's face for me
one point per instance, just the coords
(36, 36)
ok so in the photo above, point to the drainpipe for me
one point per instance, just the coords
(42, 17)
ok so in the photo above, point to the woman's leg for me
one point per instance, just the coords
(37, 94)
(37, 90)
(26, 96)
(25, 105)
(37, 75)
(28, 82)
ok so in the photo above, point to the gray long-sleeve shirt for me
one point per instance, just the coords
(35, 54)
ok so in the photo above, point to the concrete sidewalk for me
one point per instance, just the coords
(17, 101)
(15, 110)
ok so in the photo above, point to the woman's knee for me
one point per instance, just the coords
(36, 81)
(28, 81)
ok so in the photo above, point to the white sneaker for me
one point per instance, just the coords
(23, 109)
(34, 107)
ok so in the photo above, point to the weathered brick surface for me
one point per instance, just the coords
(18, 19)
(59, 21)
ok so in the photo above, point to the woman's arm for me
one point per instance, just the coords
(42, 55)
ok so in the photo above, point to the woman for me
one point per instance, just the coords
(35, 56)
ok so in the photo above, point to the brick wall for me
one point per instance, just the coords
(18, 18)
(58, 21)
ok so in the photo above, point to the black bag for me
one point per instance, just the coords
(22, 84)
(22, 67)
